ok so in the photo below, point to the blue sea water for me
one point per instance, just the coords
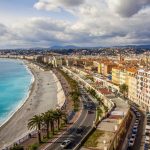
(15, 81)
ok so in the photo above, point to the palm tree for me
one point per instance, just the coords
(124, 89)
(51, 120)
(64, 118)
(36, 122)
(46, 117)
(58, 115)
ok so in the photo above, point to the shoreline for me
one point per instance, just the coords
(24, 99)
(36, 103)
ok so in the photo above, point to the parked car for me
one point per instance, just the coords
(135, 126)
(133, 135)
(138, 114)
(134, 130)
(136, 123)
(131, 142)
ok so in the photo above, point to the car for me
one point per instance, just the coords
(134, 109)
(135, 126)
(131, 142)
(65, 143)
(84, 106)
(90, 106)
(90, 111)
(138, 114)
(136, 123)
(133, 136)
(80, 130)
(134, 130)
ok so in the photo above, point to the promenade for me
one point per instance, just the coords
(43, 96)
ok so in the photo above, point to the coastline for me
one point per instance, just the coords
(24, 99)
(35, 103)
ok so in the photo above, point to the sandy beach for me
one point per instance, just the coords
(46, 93)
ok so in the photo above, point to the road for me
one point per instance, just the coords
(139, 142)
(85, 120)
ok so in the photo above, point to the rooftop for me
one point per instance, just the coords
(110, 125)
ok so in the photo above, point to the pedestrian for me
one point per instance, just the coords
(29, 135)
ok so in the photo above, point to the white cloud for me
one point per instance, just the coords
(127, 8)
(99, 22)
(57, 5)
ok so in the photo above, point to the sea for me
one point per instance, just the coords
(15, 84)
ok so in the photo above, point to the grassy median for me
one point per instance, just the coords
(93, 139)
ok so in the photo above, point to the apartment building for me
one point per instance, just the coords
(116, 75)
(119, 75)
(123, 76)
(143, 88)
(132, 84)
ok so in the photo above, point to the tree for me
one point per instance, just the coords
(17, 147)
(46, 117)
(52, 119)
(36, 122)
(124, 89)
(58, 115)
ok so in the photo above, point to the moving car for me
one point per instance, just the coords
(80, 130)
(65, 143)
(90, 111)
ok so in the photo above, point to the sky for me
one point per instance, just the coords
(46, 23)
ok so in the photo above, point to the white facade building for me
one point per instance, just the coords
(143, 88)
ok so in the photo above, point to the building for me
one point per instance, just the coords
(143, 88)
(132, 89)
(123, 76)
(107, 68)
(132, 84)
(116, 75)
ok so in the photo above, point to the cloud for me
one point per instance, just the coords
(127, 8)
(3, 30)
(98, 22)
(57, 5)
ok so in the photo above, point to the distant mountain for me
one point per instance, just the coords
(135, 46)
(64, 47)
(77, 47)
